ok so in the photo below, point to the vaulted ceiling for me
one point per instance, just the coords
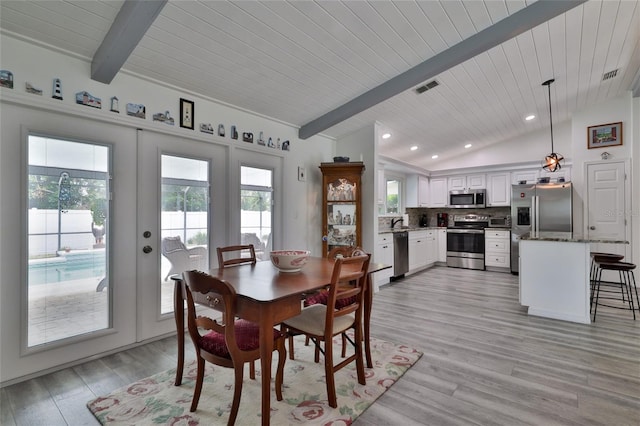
(301, 61)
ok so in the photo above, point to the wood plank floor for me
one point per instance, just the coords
(485, 362)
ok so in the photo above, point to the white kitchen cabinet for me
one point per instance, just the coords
(384, 254)
(463, 183)
(432, 247)
(438, 192)
(530, 176)
(417, 191)
(442, 245)
(564, 173)
(417, 250)
(497, 246)
(498, 189)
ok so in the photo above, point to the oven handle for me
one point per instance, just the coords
(466, 231)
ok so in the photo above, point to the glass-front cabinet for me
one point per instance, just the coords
(341, 201)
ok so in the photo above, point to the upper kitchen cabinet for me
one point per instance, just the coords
(341, 205)
(463, 183)
(417, 191)
(564, 173)
(525, 176)
(439, 194)
(498, 189)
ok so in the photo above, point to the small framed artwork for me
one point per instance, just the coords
(186, 113)
(604, 135)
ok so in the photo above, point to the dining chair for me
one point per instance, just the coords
(241, 254)
(343, 311)
(321, 296)
(229, 343)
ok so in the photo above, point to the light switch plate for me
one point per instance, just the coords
(302, 174)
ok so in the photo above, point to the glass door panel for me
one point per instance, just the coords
(256, 200)
(68, 288)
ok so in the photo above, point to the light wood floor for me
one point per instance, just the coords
(485, 362)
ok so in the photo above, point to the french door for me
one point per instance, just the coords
(181, 192)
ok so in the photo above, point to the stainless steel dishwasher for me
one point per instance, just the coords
(400, 253)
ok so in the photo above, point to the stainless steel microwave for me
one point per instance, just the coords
(469, 199)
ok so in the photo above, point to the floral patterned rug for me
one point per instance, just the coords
(155, 400)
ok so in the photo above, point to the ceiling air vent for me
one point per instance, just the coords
(610, 74)
(428, 86)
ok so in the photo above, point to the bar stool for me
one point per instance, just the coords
(596, 258)
(627, 280)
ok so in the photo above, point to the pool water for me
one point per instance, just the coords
(74, 265)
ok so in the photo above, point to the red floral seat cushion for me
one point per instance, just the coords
(321, 298)
(247, 337)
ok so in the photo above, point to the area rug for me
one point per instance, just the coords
(155, 400)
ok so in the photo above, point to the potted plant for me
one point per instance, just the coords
(98, 217)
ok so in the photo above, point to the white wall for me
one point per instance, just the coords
(21, 112)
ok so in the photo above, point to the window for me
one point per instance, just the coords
(393, 199)
(67, 239)
(256, 198)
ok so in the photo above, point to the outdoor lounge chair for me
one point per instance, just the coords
(183, 259)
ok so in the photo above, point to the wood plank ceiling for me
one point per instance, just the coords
(297, 60)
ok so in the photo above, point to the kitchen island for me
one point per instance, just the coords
(554, 274)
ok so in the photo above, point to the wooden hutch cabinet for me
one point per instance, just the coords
(341, 205)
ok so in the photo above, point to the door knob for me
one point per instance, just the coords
(147, 249)
(592, 227)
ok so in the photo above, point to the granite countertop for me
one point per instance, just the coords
(568, 237)
(417, 228)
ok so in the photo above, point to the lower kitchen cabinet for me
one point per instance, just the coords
(417, 250)
(442, 245)
(497, 245)
(384, 254)
(432, 247)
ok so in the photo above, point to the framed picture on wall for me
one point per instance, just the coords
(186, 113)
(604, 135)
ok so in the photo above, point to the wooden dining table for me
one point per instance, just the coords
(267, 297)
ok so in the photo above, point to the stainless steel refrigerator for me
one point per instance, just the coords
(542, 207)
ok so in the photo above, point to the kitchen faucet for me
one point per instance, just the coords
(394, 221)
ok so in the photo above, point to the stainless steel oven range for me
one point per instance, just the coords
(465, 241)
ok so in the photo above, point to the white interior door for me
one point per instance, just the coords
(606, 206)
(177, 179)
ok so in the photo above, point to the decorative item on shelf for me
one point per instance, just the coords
(270, 143)
(115, 106)
(87, 99)
(554, 161)
(164, 118)
(278, 144)
(261, 139)
(6, 79)
(137, 110)
(221, 130)
(340, 159)
(605, 155)
(187, 113)
(28, 87)
(604, 135)
(234, 133)
(285, 145)
(545, 179)
(206, 128)
(247, 137)
(57, 89)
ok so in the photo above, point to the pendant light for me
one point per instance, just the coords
(554, 161)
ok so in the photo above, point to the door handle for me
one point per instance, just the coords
(147, 249)
(592, 228)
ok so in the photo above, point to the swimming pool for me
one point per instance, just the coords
(74, 265)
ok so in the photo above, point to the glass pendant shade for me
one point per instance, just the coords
(554, 161)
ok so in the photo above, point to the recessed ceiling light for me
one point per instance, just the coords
(386, 136)
(530, 117)
(434, 156)
(468, 145)
(413, 148)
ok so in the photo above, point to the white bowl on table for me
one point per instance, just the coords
(289, 260)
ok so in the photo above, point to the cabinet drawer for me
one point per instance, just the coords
(385, 238)
(502, 260)
(496, 234)
(497, 246)
(418, 235)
